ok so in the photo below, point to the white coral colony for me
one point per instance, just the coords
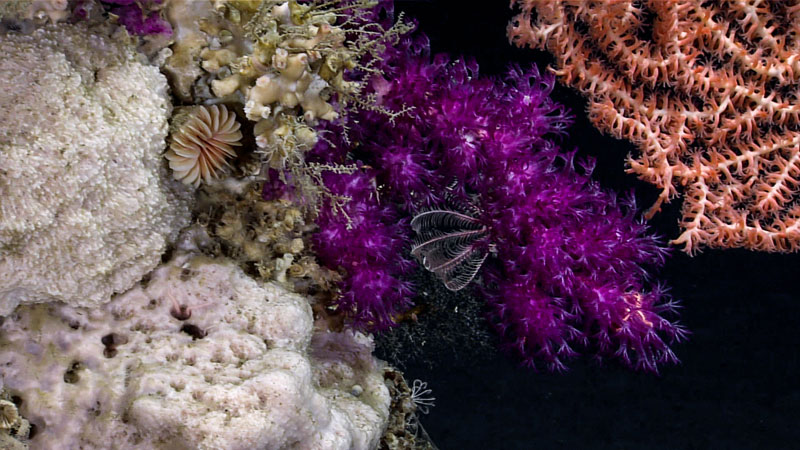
(86, 208)
(201, 145)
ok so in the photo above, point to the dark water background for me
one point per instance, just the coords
(737, 386)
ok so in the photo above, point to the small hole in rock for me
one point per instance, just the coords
(146, 279)
(108, 340)
(167, 255)
(71, 375)
(194, 331)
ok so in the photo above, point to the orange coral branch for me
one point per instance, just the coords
(709, 91)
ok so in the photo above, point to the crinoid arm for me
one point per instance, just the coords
(450, 244)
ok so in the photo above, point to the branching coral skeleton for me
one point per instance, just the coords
(285, 62)
(706, 90)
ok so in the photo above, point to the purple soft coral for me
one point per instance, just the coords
(140, 17)
(570, 272)
(364, 239)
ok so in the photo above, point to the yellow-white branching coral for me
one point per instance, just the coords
(286, 78)
(291, 84)
(87, 205)
(202, 143)
(282, 65)
(282, 60)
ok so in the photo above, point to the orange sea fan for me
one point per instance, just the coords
(709, 92)
(202, 143)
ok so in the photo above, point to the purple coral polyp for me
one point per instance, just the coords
(571, 268)
(365, 240)
(140, 17)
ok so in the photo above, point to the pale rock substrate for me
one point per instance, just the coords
(256, 380)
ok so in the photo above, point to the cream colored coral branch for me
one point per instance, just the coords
(709, 91)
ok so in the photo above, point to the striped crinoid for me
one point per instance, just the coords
(451, 244)
(203, 143)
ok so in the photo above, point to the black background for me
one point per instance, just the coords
(736, 387)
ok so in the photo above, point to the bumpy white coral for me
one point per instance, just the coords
(86, 203)
(240, 372)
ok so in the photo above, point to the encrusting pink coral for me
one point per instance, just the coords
(706, 90)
